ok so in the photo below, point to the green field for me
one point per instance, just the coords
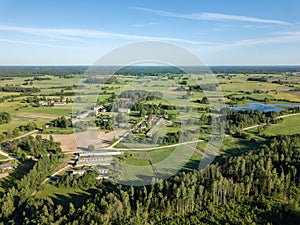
(161, 154)
(236, 146)
(151, 162)
(64, 196)
(146, 158)
(137, 158)
(2, 157)
(289, 125)
(237, 85)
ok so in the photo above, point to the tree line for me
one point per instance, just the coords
(61, 122)
(4, 117)
(19, 89)
(17, 131)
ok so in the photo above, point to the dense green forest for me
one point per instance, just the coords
(25, 71)
(18, 192)
(259, 187)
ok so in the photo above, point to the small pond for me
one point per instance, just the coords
(263, 107)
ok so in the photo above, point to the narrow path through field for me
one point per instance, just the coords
(121, 138)
(54, 174)
(288, 115)
(254, 126)
(4, 154)
(157, 147)
(23, 135)
(142, 149)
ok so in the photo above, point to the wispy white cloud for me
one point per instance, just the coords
(256, 26)
(35, 31)
(30, 43)
(78, 34)
(145, 24)
(82, 35)
(212, 16)
(291, 33)
(283, 39)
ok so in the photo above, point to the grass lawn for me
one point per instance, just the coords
(22, 113)
(2, 157)
(64, 110)
(193, 163)
(137, 158)
(8, 93)
(161, 154)
(148, 158)
(237, 146)
(290, 125)
(202, 145)
(64, 196)
(285, 95)
(10, 107)
(138, 162)
(248, 86)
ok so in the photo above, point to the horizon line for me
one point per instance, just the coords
(89, 65)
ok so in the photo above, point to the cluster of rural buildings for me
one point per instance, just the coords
(149, 125)
(94, 160)
(51, 102)
(100, 160)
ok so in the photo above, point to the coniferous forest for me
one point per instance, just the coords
(259, 187)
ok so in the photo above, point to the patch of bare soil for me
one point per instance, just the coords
(71, 142)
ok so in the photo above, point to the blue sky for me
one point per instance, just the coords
(220, 32)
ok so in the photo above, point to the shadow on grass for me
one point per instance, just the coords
(190, 166)
(77, 198)
(240, 147)
(230, 149)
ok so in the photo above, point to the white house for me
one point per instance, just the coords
(124, 110)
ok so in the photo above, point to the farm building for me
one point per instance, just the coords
(96, 158)
(98, 153)
(5, 166)
(124, 110)
(94, 161)
(80, 172)
(60, 103)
